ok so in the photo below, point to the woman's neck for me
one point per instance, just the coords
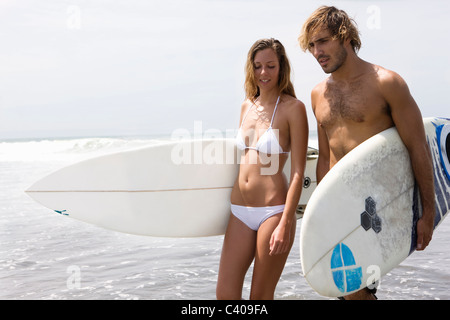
(269, 97)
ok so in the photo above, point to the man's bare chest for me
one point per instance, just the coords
(353, 101)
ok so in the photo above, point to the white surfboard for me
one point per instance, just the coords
(175, 189)
(360, 221)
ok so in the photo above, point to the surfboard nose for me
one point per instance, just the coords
(32, 188)
(37, 186)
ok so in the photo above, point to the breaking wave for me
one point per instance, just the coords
(68, 149)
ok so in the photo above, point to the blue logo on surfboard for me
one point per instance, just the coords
(346, 275)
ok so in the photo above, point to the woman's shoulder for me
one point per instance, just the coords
(247, 103)
(292, 103)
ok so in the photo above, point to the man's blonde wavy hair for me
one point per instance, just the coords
(340, 25)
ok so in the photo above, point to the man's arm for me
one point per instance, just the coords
(323, 160)
(408, 120)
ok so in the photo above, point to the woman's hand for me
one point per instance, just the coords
(280, 240)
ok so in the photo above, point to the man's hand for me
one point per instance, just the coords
(424, 231)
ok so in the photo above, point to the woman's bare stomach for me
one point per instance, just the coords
(253, 188)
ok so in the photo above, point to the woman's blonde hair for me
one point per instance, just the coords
(340, 25)
(284, 77)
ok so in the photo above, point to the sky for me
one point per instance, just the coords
(84, 68)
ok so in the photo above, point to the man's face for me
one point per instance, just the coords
(329, 52)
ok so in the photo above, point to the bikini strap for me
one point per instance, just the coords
(274, 111)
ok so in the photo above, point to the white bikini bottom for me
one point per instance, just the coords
(253, 217)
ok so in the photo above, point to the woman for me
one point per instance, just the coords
(263, 204)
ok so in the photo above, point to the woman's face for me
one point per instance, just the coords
(267, 69)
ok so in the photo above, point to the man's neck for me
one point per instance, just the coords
(352, 68)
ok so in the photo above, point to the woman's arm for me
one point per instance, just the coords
(298, 132)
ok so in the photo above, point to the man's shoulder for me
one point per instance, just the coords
(320, 87)
(387, 77)
(391, 84)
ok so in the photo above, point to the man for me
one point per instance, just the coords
(359, 100)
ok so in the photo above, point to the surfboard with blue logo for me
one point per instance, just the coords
(360, 222)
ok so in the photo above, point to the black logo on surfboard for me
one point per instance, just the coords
(369, 218)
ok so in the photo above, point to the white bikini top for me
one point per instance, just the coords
(267, 143)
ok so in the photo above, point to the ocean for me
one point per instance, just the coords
(44, 255)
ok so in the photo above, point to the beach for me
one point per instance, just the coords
(44, 255)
